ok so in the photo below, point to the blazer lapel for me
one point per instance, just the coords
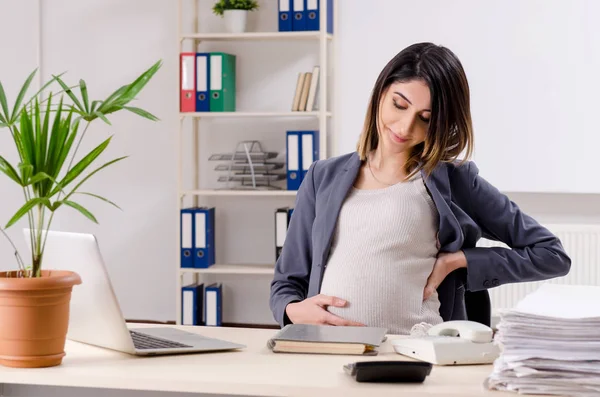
(450, 233)
(337, 194)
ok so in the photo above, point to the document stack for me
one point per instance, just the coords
(550, 343)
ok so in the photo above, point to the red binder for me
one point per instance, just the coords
(187, 82)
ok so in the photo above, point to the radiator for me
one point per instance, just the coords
(582, 244)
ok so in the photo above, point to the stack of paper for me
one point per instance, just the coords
(550, 343)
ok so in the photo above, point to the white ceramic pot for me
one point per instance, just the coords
(235, 20)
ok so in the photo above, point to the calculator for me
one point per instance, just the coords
(389, 371)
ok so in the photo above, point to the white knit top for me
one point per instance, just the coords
(383, 250)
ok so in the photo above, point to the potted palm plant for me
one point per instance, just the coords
(47, 130)
(235, 13)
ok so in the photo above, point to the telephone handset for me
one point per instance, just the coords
(470, 330)
(451, 343)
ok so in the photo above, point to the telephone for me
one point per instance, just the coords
(456, 342)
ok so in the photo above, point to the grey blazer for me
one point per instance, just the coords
(469, 208)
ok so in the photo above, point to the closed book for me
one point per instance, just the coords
(327, 339)
(305, 90)
(298, 93)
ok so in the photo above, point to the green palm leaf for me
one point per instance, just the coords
(81, 209)
(4, 104)
(58, 135)
(139, 83)
(27, 139)
(95, 105)
(16, 134)
(100, 198)
(82, 165)
(44, 134)
(37, 178)
(141, 112)
(94, 172)
(39, 144)
(42, 88)
(102, 116)
(28, 206)
(65, 149)
(84, 95)
(9, 170)
(22, 95)
(69, 93)
(26, 172)
(127, 93)
(108, 102)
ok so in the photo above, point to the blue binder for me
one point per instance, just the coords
(285, 15)
(187, 237)
(213, 305)
(293, 160)
(329, 16)
(310, 149)
(192, 298)
(299, 13)
(204, 237)
(313, 11)
(202, 82)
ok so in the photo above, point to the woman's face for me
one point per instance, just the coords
(404, 111)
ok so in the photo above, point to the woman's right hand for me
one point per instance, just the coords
(313, 311)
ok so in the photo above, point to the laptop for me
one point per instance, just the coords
(95, 315)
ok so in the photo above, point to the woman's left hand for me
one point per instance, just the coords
(446, 263)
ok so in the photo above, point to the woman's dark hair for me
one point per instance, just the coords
(450, 129)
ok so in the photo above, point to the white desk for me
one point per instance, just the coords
(254, 371)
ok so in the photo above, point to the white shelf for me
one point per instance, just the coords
(255, 36)
(239, 193)
(188, 38)
(233, 269)
(251, 114)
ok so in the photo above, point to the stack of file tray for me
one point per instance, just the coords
(250, 167)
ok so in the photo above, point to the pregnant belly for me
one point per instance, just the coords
(389, 296)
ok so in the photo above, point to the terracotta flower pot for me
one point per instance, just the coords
(34, 318)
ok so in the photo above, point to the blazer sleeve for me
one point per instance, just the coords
(292, 270)
(534, 253)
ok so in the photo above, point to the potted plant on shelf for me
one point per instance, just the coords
(47, 132)
(235, 13)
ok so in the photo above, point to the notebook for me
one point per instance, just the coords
(327, 339)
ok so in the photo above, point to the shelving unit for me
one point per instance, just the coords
(221, 115)
(257, 36)
(233, 269)
(324, 115)
(250, 193)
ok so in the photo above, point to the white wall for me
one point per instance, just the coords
(532, 69)
(108, 42)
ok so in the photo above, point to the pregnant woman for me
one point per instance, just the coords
(386, 235)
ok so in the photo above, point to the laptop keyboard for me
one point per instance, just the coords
(144, 341)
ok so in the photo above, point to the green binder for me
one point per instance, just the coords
(222, 82)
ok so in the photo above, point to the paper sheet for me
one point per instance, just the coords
(550, 343)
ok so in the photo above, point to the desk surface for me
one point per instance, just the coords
(254, 370)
